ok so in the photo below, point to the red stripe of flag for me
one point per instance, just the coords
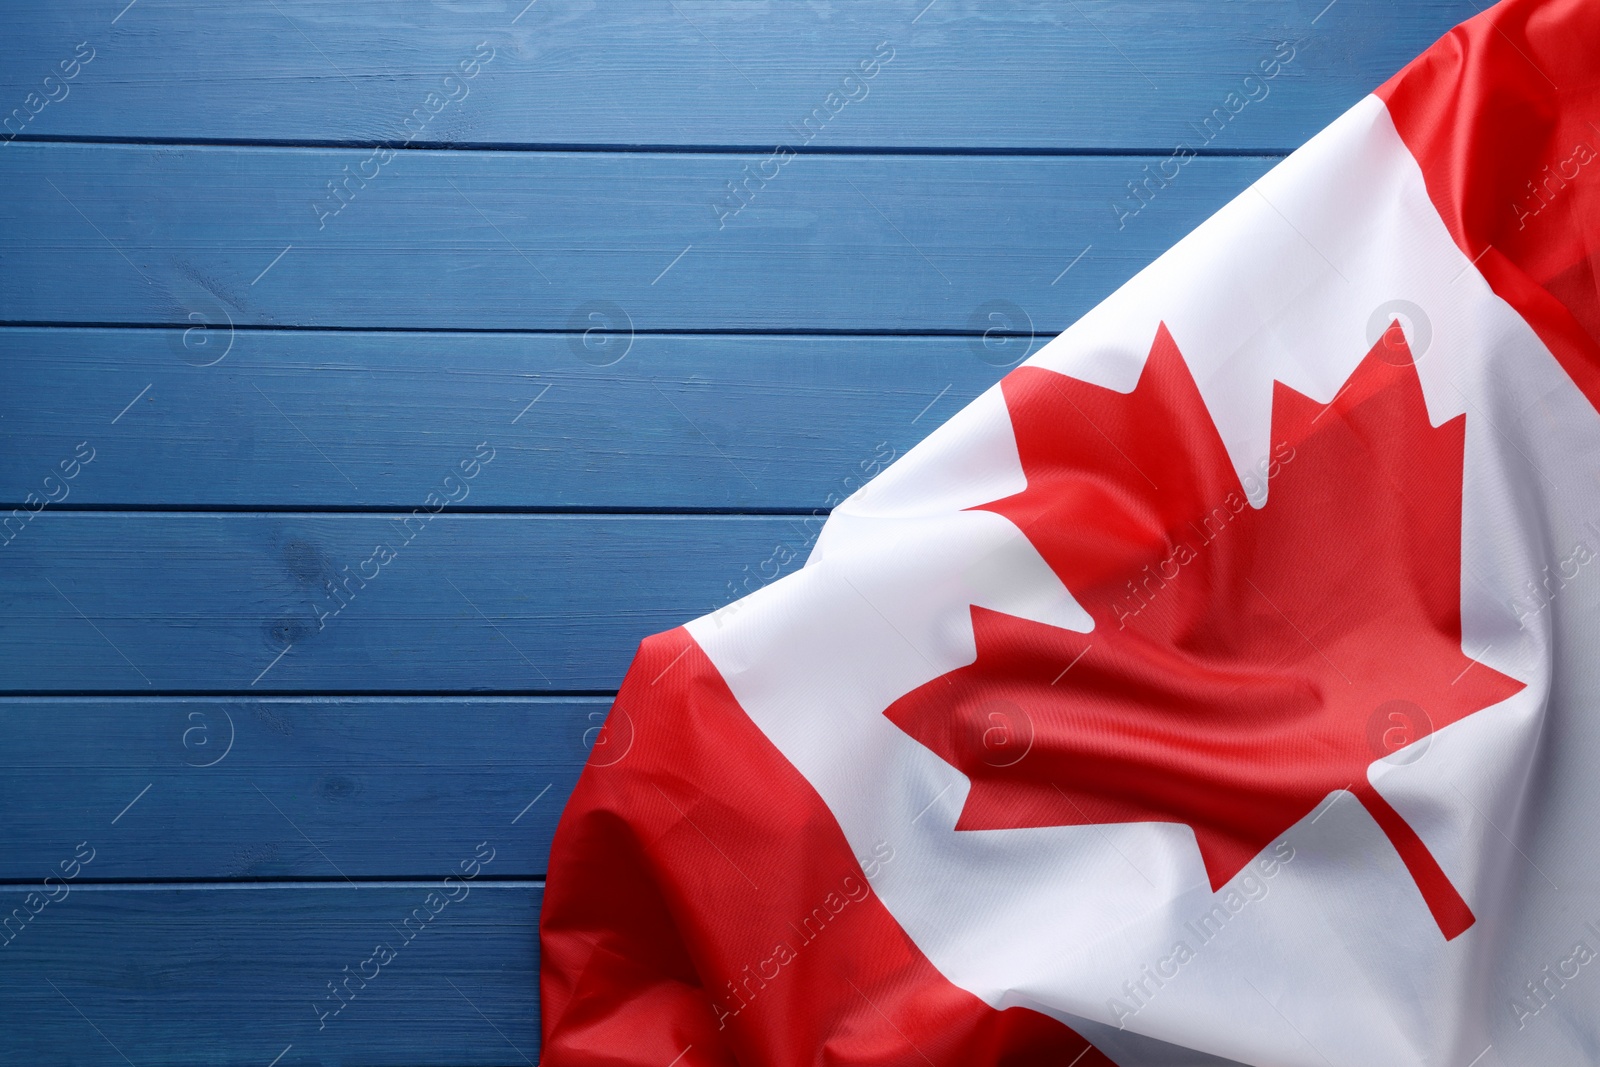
(703, 897)
(1503, 115)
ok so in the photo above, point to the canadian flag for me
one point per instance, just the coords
(1220, 687)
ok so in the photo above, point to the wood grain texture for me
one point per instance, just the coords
(965, 73)
(344, 332)
(108, 976)
(182, 601)
(532, 240)
(676, 422)
(328, 788)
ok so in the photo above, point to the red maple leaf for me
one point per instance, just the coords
(1245, 662)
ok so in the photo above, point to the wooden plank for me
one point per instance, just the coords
(530, 240)
(320, 787)
(246, 603)
(676, 422)
(202, 975)
(1034, 73)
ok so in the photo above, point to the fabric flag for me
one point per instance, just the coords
(1220, 687)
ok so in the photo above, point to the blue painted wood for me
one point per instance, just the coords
(971, 169)
(965, 73)
(206, 975)
(674, 422)
(245, 603)
(321, 788)
(530, 240)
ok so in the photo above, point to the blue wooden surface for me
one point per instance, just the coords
(286, 787)
(235, 974)
(1093, 74)
(748, 422)
(222, 383)
(208, 602)
(526, 240)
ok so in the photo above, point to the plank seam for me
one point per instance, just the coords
(308, 695)
(686, 511)
(269, 327)
(213, 884)
(665, 149)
